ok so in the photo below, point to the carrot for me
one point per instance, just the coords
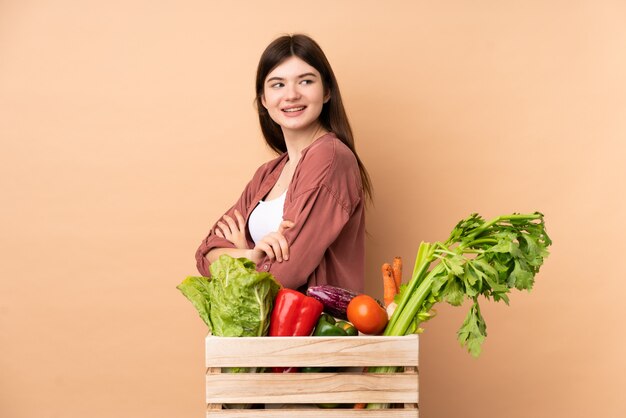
(389, 286)
(397, 272)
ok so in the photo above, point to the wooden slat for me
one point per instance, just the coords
(213, 371)
(411, 405)
(311, 388)
(358, 351)
(315, 413)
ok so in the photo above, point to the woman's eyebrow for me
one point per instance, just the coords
(282, 79)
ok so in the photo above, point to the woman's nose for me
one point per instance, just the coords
(292, 92)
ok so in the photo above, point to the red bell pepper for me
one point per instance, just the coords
(294, 314)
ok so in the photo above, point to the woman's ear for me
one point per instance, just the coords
(327, 97)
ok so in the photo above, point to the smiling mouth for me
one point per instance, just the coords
(294, 109)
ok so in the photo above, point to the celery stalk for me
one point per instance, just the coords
(479, 258)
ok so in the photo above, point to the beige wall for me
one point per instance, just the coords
(118, 120)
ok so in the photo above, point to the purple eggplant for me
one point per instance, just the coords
(335, 299)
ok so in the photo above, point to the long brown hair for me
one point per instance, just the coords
(333, 117)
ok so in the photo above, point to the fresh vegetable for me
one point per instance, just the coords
(335, 299)
(397, 272)
(327, 326)
(294, 314)
(479, 258)
(328, 405)
(350, 329)
(236, 301)
(389, 285)
(367, 315)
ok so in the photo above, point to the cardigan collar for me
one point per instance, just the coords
(279, 164)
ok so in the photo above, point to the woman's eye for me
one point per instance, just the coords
(277, 85)
(307, 81)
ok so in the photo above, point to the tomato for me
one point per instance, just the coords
(367, 315)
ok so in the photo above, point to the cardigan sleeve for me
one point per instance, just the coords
(242, 204)
(210, 242)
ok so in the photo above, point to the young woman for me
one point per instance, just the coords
(302, 216)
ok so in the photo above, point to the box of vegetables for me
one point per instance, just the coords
(276, 352)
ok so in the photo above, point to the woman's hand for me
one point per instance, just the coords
(274, 245)
(233, 230)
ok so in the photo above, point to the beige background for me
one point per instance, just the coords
(127, 127)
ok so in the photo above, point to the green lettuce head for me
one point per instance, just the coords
(236, 301)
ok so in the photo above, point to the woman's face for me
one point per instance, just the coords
(293, 94)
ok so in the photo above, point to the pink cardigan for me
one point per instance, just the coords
(325, 200)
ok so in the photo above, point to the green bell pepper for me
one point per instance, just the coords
(328, 327)
(350, 329)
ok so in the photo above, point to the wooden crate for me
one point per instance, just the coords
(400, 389)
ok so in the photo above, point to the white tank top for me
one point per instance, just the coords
(266, 217)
